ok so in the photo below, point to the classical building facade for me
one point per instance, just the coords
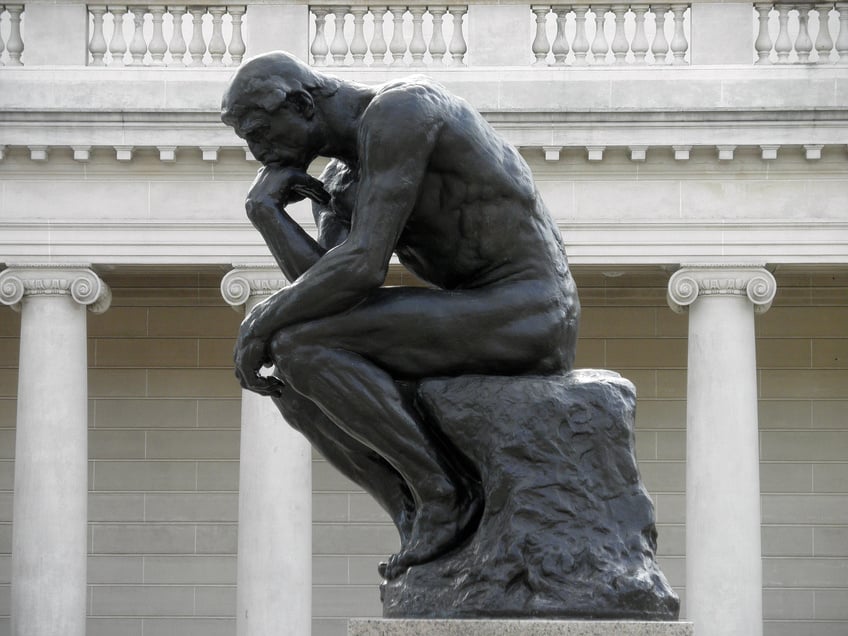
(694, 156)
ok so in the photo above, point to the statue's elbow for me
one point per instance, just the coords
(258, 210)
(365, 274)
(369, 278)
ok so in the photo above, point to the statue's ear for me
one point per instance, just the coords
(271, 100)
(303, 102)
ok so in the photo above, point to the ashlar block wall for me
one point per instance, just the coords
(164, 427)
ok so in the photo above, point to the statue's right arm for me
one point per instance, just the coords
(290, 245)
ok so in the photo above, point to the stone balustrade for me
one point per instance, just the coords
(478, 34)
(159, 35)
(635, 33)
(11, 34)
(801, 33)
(418, 36)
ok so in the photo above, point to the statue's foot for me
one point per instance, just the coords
(404, 523)
(437, 528)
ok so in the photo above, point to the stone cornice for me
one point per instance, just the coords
(599, 242)
(246, 282)
(691, 282)
(76, 281)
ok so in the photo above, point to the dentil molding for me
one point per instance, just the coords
(691, 282)
(76, 281)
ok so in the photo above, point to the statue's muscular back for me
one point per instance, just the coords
(478, 219)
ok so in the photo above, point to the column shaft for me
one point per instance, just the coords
(49, 549)
(275, 524)
(723, 553)
(51, 471)
(274, 587)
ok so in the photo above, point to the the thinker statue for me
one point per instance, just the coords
(417, 172)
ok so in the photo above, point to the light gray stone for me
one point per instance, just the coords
(211, 507)
(400, 627)
(187, 570)
(175, 626)
(216, 539)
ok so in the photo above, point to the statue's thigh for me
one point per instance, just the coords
(415, 332)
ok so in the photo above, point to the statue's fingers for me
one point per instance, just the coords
(267, 386)
(313, 190)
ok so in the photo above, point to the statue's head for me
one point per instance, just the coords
(270, 104)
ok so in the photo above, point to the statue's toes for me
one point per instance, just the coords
(397, 565)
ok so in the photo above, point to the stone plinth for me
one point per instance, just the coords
(567, 530)
(403, 627)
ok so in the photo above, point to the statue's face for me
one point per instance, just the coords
(280, 138)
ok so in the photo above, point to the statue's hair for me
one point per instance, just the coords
(268, 80)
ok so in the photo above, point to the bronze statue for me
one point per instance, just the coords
(417, 172)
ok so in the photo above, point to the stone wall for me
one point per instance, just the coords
(164, 432)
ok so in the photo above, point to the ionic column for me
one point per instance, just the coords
(49, 550)
(723, 553)
(274, 577)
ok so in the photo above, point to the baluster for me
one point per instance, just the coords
(97, 46)
(783, 45)
(560, 47)
(639, 45)
(599, 43)
(339, 47)
(118, 45)
(458, 48)
(217, 46)
(177, 46)
(437, 47)
(763, 42)
(803, 43)
(378, 40)
(197, 46)
(2, 48)
(237, 47)
(158, 46)
(660, 46)
(679, 45)
(398, 44)
(358, 45)
(842, 39)
(138, 46)
(824, 43)
(619, 40)
(540, 42)
(319, 48)
(417, 47)
(15, 43)
(580, 46)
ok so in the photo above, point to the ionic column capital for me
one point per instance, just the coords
(76, 281)
(245, 283)
(691, 282)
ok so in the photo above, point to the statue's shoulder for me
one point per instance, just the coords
(408, 101)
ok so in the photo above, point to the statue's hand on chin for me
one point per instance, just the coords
(277, 186)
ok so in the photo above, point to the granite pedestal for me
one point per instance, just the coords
(427, 627)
